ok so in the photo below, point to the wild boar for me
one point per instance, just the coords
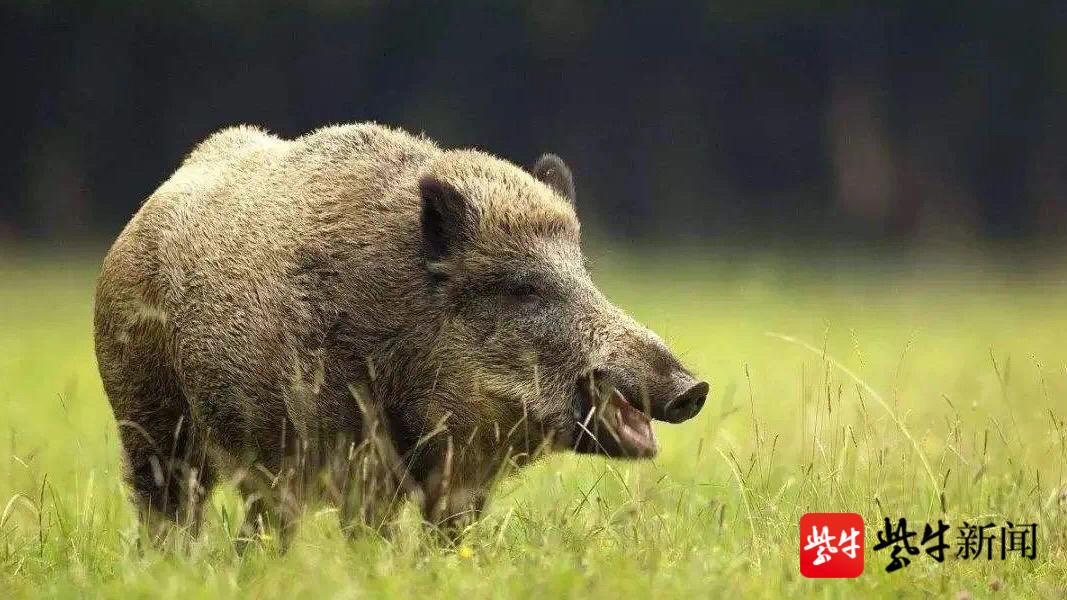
(286, 313)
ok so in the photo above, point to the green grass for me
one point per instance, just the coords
(956, 412)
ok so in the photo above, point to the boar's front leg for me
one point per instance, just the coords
(452, 502)
(451, 512)
(371, 492)
(370, 480)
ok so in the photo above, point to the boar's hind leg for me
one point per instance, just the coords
(267, 513)
(167, 467)
(170, 476)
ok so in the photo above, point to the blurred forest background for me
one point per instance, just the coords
(717, 122)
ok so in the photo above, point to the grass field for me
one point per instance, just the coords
(954, 410)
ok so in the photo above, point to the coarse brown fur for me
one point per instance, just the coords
(359, 313)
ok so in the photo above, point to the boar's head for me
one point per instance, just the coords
(526, 346)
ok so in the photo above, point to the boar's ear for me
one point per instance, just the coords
(551, 170)
(447, 218)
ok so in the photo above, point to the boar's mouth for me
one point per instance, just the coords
(608, 421)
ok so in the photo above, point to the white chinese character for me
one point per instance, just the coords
(825, 543)
(844, 538)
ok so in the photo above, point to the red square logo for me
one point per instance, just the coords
(831, 545)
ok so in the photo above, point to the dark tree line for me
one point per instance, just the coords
(697, 121)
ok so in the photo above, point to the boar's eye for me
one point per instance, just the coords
(525, 293)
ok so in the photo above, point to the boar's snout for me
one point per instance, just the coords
(652, 379)
(686, 402)
(615, 411)
(632, 378)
